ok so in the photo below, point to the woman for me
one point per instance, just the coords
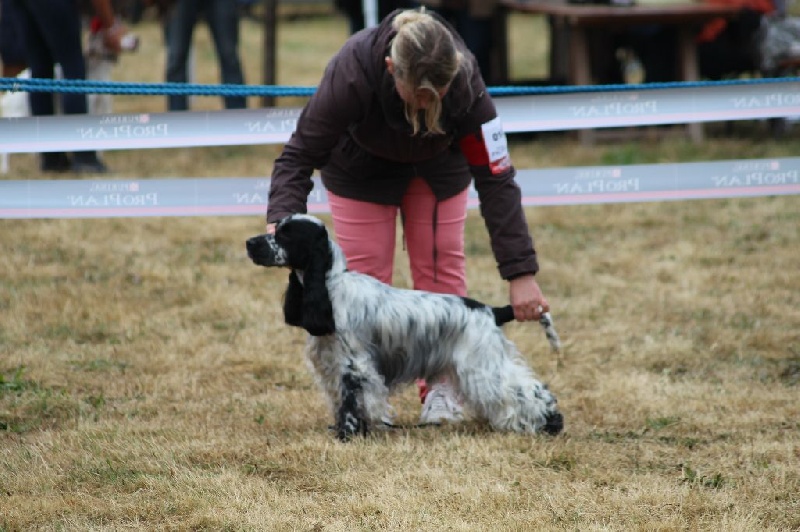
(401, 121)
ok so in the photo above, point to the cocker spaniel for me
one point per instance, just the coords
(367, 338)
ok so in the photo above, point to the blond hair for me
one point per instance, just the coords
(425, 57)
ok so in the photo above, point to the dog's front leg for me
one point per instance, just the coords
(350, 419)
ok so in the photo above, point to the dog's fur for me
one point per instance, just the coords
(367, 338)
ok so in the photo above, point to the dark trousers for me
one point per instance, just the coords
(477, 35)
(52, 33)
(222, 17)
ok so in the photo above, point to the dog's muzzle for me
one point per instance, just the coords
(263, 251)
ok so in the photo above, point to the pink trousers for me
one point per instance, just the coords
(433, 233)
(434, 237)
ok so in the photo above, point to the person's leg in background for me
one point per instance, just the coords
(12, 48)
(178, 30)
(434, 236)
(222, 17)
(477, 35)
(52, 30)
(656, 47)
(42, 65)
(353, 10)
(40, 60)
(67, 46)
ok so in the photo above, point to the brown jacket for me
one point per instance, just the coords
(355, 131)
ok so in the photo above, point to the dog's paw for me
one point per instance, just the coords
(350, 425)
(554, 423)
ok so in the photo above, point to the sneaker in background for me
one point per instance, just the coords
(87, 162)
(441, 405)
(57, 162)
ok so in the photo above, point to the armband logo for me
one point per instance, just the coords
(496, 145)
(488, 147)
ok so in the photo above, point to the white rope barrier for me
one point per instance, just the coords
(244, 196)
(552, 112)
(110, 198)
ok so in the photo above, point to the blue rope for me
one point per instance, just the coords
(117, 87)
(195, 89)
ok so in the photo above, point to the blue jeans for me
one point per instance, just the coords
(222, 17)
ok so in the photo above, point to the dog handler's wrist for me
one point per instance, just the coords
(518, 275)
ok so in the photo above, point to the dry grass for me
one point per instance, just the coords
(148, 382)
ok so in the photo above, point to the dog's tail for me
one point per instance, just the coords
(503, 315)
(550, 331)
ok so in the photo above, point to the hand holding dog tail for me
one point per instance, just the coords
(503, 315)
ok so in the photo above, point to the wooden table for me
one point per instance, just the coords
(578, 19)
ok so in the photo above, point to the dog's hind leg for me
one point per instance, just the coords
(514, 404)
(536, 407)
(500, 388)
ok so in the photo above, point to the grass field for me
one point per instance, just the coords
(147, 381)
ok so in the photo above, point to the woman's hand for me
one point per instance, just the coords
(271, 228)
(527, 299)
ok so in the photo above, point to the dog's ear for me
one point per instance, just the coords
(317, 307)
(293, 302)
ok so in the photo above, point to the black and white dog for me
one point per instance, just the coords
(367, 338)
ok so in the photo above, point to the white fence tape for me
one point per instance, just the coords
(248, 196)
(245, 196)
(519, 114)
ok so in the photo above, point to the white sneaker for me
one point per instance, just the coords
(388, 415)
(441, 405)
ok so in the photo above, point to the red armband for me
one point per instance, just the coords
(487, 147)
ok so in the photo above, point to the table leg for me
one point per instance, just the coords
(689, 71)
(559, 51)
(500, 48)
(580, 71)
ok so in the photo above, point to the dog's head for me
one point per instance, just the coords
(296, 242)
(301, 243)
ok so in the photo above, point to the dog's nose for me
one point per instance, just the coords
(252, 245)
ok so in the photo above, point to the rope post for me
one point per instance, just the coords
(370, 9)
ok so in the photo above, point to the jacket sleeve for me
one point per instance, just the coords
(337, 103)
(485, 148)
